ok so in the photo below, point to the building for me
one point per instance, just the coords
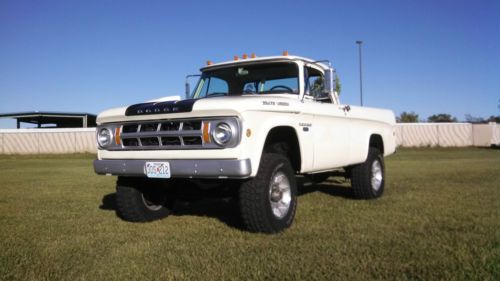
(48, 119)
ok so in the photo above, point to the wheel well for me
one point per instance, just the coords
(283, 140)
(377, 142)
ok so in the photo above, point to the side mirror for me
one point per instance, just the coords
(330, 81)
(331, 84)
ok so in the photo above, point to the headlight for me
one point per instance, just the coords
(104, 137)
(222, 133)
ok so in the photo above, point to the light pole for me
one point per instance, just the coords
(360, 72)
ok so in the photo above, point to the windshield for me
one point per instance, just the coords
(255, 79)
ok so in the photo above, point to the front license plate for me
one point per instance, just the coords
(157, 169)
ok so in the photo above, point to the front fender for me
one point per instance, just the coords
(259, 124)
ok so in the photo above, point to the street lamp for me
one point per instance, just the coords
(360, 72)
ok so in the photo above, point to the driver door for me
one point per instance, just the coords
(331, 127)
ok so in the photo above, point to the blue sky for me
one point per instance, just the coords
(430, 57)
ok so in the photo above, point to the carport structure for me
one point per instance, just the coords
(47, 119)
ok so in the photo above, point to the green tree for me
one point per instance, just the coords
(407, 117)
(338, 86)
(441, 118)
(494, 119)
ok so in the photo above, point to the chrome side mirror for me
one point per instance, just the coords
(329, 81)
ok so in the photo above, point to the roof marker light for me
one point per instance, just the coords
(235, 58)
(209, 62)
(253, 55)
(244, 56)
(285, 53)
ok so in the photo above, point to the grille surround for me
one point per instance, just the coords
(171, 134)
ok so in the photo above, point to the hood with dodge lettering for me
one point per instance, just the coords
(215, 106)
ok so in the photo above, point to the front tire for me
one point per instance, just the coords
(368, 178)
(268, 201)
(140, 200)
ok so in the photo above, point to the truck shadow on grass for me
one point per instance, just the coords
(226, 209)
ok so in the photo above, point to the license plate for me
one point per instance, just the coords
(157, 169)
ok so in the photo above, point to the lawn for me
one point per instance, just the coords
(438, 219)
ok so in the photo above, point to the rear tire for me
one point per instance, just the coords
(368, 178)
(140, 200)
(268, 201)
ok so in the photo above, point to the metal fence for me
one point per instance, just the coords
(81, 140)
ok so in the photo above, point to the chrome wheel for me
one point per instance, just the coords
(280, 194)
(377, 175)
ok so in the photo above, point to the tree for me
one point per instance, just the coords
(441, 118)
(338, 86)
(494, 119)
(407, 117)
(472, 119)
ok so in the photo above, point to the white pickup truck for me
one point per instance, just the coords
(250, 125)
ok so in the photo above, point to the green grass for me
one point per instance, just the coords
(438, 219)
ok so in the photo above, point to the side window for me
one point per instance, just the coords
(316, 85)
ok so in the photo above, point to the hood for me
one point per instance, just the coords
(216, 106)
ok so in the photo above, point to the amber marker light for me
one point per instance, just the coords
(253, 55)
(206, 132)
(235, 58)
(249, 133)
(285, 53)
(244, 56)
(118, 141)
(209, 62)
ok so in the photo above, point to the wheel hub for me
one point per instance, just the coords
(280, 194)
(377, 176)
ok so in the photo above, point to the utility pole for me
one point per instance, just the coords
(360, 72)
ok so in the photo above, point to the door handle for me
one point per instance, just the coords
(346, 108)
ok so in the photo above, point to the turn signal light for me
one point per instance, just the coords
(206, 132)
(118, 141)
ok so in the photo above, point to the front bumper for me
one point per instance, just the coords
(212, 168)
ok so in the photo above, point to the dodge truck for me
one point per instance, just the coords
(250, 125)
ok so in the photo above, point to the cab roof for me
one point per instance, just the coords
(242, 61)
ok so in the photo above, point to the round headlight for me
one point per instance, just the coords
(104, 137)
(222, 133)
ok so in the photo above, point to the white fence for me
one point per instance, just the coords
(46, 141)
(447, 134)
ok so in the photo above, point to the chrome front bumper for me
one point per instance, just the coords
(178, 168)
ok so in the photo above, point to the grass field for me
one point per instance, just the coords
(438, 219)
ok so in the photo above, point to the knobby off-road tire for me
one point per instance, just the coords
(140, 200)
(268, 201)
(368, 178)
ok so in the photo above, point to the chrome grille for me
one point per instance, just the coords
(163, 135)
(171, 134)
